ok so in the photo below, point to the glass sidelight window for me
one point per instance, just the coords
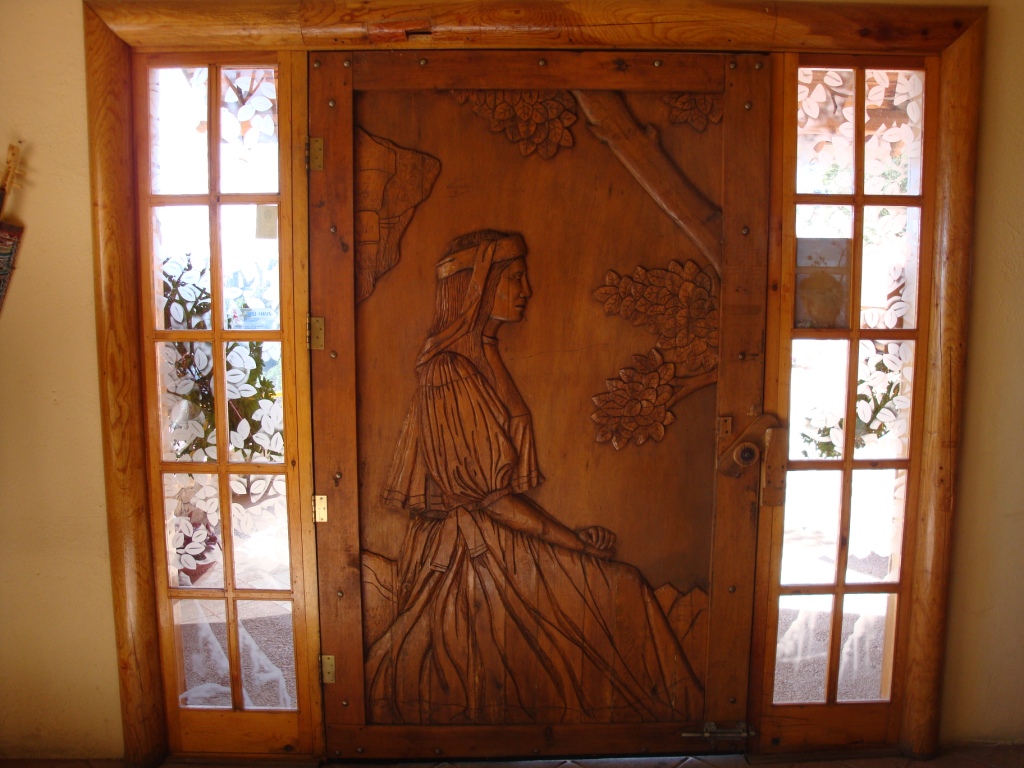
(853, 328)
(222, 412)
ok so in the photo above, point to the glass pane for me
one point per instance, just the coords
(817, 399)
(250, 268)
(885, 374)
(179, 161)
(188, 426)
(868, 635)
(801, 653)
(824, 253)
(204, 674)
(255, 415)
(811, 527)
(893, 122)
(192, 528)
(890, 267)
(825, 132)
(248, 130)
(268, 654)
(259, 527)
(181, 256)
(876, 525)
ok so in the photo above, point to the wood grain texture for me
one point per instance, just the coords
(242, 733)
(568, 24)
(762, 650)
(294, 67)
(294, 245)
(961, 70)
(639, 151)
(808, 727)
(487, 741)
(335, 464)
(108, 91)
(610, 70)
(745, 229)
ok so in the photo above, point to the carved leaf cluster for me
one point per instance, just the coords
(694, 109)
(635, 407)
(678, 304)
(538, 121)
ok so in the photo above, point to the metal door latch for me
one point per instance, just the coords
(712, 732)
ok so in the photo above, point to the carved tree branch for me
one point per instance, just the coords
(611, 122)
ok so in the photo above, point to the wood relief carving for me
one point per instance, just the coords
(640, 152)
(694, 109)
(538, 121)
(680, 306)
(495, 611)
(390, 182)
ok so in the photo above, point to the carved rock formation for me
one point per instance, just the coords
(390, 182)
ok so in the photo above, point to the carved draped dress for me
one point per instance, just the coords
(494, 625)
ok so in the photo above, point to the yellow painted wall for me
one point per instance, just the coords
(58, 675)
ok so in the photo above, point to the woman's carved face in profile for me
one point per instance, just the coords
(511, 294)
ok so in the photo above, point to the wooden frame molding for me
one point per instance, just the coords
(113, 28)
(115, 249)
(959, 107)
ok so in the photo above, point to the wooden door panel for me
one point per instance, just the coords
(558, 357)
(536, 478)
(562, 209)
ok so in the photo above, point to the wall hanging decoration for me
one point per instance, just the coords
(10, 233)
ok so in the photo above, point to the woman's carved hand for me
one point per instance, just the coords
(597, 541)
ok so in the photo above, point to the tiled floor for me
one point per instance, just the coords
(1007, 756)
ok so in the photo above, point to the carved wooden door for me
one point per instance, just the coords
(543, 284)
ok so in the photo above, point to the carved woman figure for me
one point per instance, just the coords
(505, 615)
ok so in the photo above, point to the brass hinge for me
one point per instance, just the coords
(319, 509)
(327, 669)
(314, 332)
(314, 154)
(713, 732)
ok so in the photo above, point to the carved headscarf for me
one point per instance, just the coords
(479, 258)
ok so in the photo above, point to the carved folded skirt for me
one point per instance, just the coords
(496, 626)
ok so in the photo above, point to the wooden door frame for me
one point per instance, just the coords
(116, 28)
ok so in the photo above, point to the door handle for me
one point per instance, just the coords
(746, 449)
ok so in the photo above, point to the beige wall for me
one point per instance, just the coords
(58, 675)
